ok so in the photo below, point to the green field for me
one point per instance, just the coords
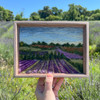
(77, 61)
(72, 89)
(34, 49)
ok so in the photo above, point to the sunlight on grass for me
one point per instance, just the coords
(83, 88)
(9, 33)
(12, 88)
(16, 88)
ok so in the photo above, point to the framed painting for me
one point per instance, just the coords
(57, 47)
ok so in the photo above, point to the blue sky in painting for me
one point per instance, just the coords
(51, 34)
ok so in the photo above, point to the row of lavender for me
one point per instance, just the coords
(69, 55)
(33, 52)
(46, 66)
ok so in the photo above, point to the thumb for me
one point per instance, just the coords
(48, 82)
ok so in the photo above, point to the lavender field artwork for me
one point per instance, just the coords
(51, 50)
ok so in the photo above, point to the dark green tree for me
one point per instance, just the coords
(53, 17)
(52, 44)
(55, 55)
(95, 16)
(45, 12)
(66, 44)
(72, 45)
(56, 11)
(79, 45)
(34, 16)
(5, 14)
(18, 17)
(58, 55)
(65, 16)
(44, 43)
(10, 15)
(72, 12)
(51, 56)
(57, 44)
(33, 43)
(39, 43)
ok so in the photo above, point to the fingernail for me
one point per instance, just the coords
(49, 75)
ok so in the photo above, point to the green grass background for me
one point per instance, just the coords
(72, 89)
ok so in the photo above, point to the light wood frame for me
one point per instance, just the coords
(84, 25)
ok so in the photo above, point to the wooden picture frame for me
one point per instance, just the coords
(83, 25)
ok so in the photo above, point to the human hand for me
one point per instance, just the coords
(47, 89)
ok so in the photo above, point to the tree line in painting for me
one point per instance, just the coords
(75, 12)
(50, 44)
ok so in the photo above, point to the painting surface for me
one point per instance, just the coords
(51, 50)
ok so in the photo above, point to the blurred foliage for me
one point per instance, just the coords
(12, 88)
(83, 88)
(19, 17)
(24, 88)
(53, 17)
(5, 14)
(75, 12)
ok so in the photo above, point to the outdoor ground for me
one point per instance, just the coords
(24, 88)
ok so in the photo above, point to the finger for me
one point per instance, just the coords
(58, 85)
(40, 84)
(38, 92)
(54, 82)
(41, 81)
(48, 82)
(40, 89)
